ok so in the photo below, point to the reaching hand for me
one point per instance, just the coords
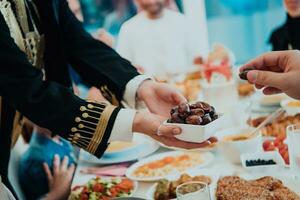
(159, 97)
(276, 72)
(152, 125)
(60, 181)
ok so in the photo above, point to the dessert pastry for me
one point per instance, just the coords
(265, 188)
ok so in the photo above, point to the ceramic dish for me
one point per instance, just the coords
(147, 170)
(198, 133)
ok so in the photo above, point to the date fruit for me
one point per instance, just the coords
(243, 74)
(194, 119)
(199, 113)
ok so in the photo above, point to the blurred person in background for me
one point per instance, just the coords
(157, 41)
(287, 37)
(44, 150)
(122, 11)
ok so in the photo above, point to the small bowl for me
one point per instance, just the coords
(290, 110)
(198, 133)
(232, 150)
(272, 155)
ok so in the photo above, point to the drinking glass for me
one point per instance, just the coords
(193, 191)
(293, 140)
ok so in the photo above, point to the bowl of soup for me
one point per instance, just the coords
(236, 141)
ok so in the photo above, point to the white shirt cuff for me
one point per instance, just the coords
(122, 129)
(131, 90)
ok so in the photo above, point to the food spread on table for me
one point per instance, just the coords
(166, 189)
(278, 126)
(98, 188)
(265, 188)
(245, 89)
(279, 145)
(199, 113)
(238, 137)
(293, 104)
(169, 164)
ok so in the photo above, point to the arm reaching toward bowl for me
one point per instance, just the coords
(275, 72)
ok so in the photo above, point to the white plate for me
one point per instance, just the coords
(151, 145)
(207, 159)
(205, 171)
(106, 178)
(188, 150)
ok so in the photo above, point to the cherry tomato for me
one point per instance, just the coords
(282, 137)
(270, 148)
(98, 188)
(277, 142)
(286, 158)
(267, 144)
(282, 147)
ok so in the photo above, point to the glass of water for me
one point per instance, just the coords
(193, 191)
(293, 140)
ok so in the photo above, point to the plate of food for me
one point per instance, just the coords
(165, 189)
(167, 164)
(105, 188)
(198, 121)
(211, 147)
(261, 187)
(278, 126)
(237, 141)
(124, 151)
(291, 106)
(269, 100)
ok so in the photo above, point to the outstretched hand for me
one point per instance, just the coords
(276, 72)
(160, 98)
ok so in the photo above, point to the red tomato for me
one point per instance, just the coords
(98, 188)
(267, 144)
(286, 158)
(282, 137)
(271, 148)
(277, 142)
(283, 147)
(84, 197)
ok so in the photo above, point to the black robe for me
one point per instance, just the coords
(51, 103)
(288, 35)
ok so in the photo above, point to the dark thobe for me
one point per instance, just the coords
(50, 103)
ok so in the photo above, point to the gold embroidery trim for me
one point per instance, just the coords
(100, 130)
(91, 125)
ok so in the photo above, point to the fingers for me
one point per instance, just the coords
(173, 142)
(71, 170)
(267, 61)
(178, 98)
(64, 164)
(266, 78)
(271, 90)
(56, 164)
(48, 172)
(168, 131)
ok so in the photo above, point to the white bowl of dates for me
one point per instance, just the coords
(262, 161)
(236, 141)
(198, 121)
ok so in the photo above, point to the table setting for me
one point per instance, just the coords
(252, 155)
